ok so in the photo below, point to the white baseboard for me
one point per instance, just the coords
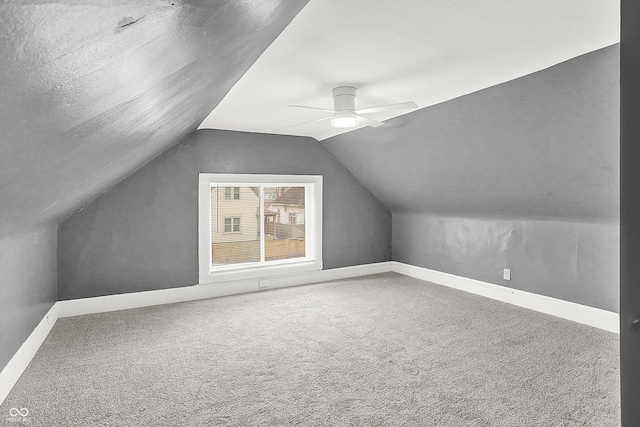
(590, 316)
(595, 317)
(13, 370)
(104, 304)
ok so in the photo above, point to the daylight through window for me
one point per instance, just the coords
(255, 223)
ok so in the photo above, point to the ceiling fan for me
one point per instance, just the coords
(344, 113)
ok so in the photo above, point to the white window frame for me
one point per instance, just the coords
(312, 261)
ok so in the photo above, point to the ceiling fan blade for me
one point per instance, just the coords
(313, 108)
(381, 108)
(369, 122)
(312, 121)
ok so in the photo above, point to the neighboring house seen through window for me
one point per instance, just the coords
(232, 193)
(268, 242)
(232, 225)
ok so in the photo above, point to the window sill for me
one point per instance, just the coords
(261, 272)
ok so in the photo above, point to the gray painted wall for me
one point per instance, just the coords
(522, 175)
(542, 146)
(142, 234)
(571, 261)
(27, 285)
(88, 95)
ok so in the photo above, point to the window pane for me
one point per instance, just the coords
(235, 225)
(284, 209)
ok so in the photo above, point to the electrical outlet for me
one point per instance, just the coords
(264, 283)
(506, 275)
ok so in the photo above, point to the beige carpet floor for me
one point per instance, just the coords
(382, 350)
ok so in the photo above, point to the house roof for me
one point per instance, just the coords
(294, 196)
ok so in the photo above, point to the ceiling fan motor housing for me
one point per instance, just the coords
(344, 113)
(344, 99)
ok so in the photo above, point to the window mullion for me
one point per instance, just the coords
(262, 256)
(308, 208)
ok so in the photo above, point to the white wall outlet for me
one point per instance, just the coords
(506, 274)
(264, 283)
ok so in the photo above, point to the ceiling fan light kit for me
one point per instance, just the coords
(344, 113)
(342, 122)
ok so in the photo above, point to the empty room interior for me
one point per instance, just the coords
(313, 212)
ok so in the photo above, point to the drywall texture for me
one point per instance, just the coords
(521, 175)
(541, 146)
(28, 285)
(575, 262)
(92, 90)
(142, 234)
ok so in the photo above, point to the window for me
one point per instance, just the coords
(242, 233)
(232, 193)
(232, 225)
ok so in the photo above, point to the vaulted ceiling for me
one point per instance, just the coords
(92, 90)
(544, 146)
(427, 51)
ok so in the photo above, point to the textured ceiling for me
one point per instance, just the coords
(406, 50)
(91, 90)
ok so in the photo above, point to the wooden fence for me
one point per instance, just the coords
(283, 249)
(249, 251)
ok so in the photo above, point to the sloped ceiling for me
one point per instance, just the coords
(394, 51)
(542, 146)
(91, 90)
